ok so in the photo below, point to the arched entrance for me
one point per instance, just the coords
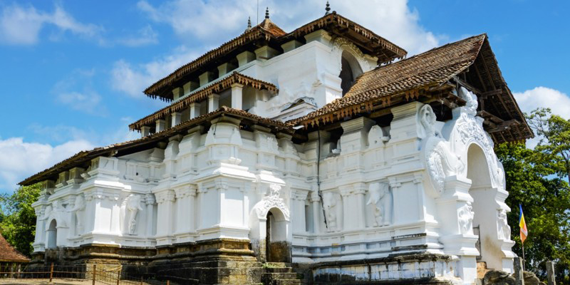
(485, 207)
(350, 70)
(52, 235)
(277, 249)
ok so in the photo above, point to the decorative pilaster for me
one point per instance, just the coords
(150, 223)
(317, 212)
(185, 209)
(298, 198)
(165, 202)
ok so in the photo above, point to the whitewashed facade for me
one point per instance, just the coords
(415, 186)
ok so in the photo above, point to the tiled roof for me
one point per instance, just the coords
(84, 156)
(269, 32)
(202, 94)
(428, 69)
(9, 254)
(424, 73)
(265, 30)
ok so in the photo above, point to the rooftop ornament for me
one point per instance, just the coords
(248, 24)
(327, 8)
(267, 13)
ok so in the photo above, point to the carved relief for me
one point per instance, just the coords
(503, 228)
(465, 217)
(375, 137)
(441, 162)
(79, 211)
(332, 206)
(381, 200)
(272, 200)
(470, 130)
(131, 206)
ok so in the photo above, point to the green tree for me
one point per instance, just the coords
(18, 218)
(535, 180)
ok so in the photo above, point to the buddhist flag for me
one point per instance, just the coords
(522, 225)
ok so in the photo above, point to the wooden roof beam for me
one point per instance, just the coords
(506, 125)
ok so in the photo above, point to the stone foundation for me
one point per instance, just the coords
(396, 269)
(217, 261)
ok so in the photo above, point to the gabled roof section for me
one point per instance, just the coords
(425, 74)
(9, 254)
(267, 31)
(119, 149)
(202, 94)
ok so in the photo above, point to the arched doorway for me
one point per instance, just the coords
(485, 207)
(277, 247)
(350, 70)
(52, 235)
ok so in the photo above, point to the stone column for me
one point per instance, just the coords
(177, 93)
(176, 119)
(225, 68)
(237, 96)
(150, 225)
(160, 126)
(245, 57)
(206, 78)
(194, 110)
(213, 102)
(145, 131)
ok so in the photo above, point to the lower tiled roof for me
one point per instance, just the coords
(84, 156)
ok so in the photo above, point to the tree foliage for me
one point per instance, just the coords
(535, 180)
(18, 218)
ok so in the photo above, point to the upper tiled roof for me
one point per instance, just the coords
(9, 254)
(267, 31)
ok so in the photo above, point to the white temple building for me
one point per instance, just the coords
(324, 149)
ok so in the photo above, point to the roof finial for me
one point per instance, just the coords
(267, 13)
(248, 23)
(328, 8)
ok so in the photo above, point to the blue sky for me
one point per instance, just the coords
(72, 72)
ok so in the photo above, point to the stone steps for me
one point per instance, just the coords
(279, 273)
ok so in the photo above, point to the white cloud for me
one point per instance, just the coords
(81, 102)
(86, 100)
(145, 36)
(21, 159)
(216, 21)
(544, 97)
(21, 25)
(133, 79)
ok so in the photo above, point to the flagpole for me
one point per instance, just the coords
(523, 256)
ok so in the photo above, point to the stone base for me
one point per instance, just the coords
(217, 261)
(397, 269)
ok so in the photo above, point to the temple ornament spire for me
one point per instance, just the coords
(267, 13)
(327, 8)
(248, 24)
